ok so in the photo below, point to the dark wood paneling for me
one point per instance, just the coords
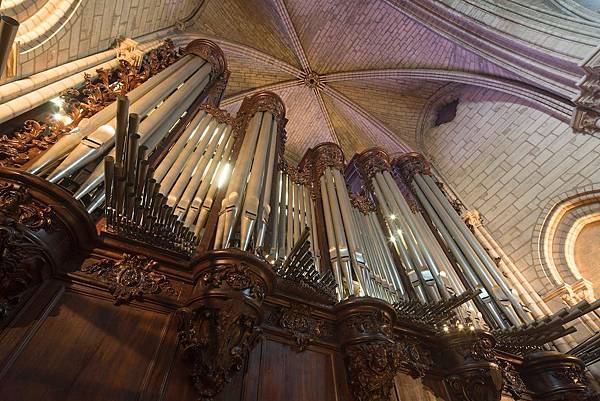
(287, 375)
(86, 349)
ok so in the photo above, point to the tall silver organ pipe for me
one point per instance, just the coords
(361, 262)
(87, 126)
(160, 103)
(470, 255)
(190, 171)
(246, 209)
(403, 226)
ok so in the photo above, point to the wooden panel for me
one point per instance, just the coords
(86, 349)
(287, 375)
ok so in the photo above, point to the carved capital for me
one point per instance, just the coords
(554, 376)
(586, 121)
(371, 162)
(210, 52)
(406, 165)
(131, 277)
(316, 160)
(472, 364)
(220, 325)
(472, 218)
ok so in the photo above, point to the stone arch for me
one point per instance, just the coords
(555, 233)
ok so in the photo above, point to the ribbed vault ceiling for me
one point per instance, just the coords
(344, 68)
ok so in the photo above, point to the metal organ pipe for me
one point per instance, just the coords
(87, 126)
(157, 125)
(476, 246)
(469, 273)
(418, 238)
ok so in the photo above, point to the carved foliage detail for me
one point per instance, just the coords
(476, 385)
(215, 343)
(97, 92)
(130, 278)
(299, 321)
(21, 266)
(371, 369)
(369, 323)
(16, 203)
(239, 277)
(513, 383)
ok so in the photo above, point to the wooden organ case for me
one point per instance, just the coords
(157, 248)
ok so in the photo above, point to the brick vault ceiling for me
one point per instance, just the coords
(340, 67)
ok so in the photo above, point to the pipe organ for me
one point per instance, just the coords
(196, 221)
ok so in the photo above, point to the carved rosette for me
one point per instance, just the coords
(210, 52)
(553, 376)
(299, 321)
(220, 325)
(474, 374)
(130, 278)
(372, 356)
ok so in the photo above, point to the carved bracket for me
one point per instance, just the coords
(373, 354)
(474, 374)
(22, 265)
(220, 325)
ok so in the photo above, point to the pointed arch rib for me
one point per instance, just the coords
(326, 116)
(293, 34)
(556, 106)
(272, 88)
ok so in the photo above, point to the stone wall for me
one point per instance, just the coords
(89, 26)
